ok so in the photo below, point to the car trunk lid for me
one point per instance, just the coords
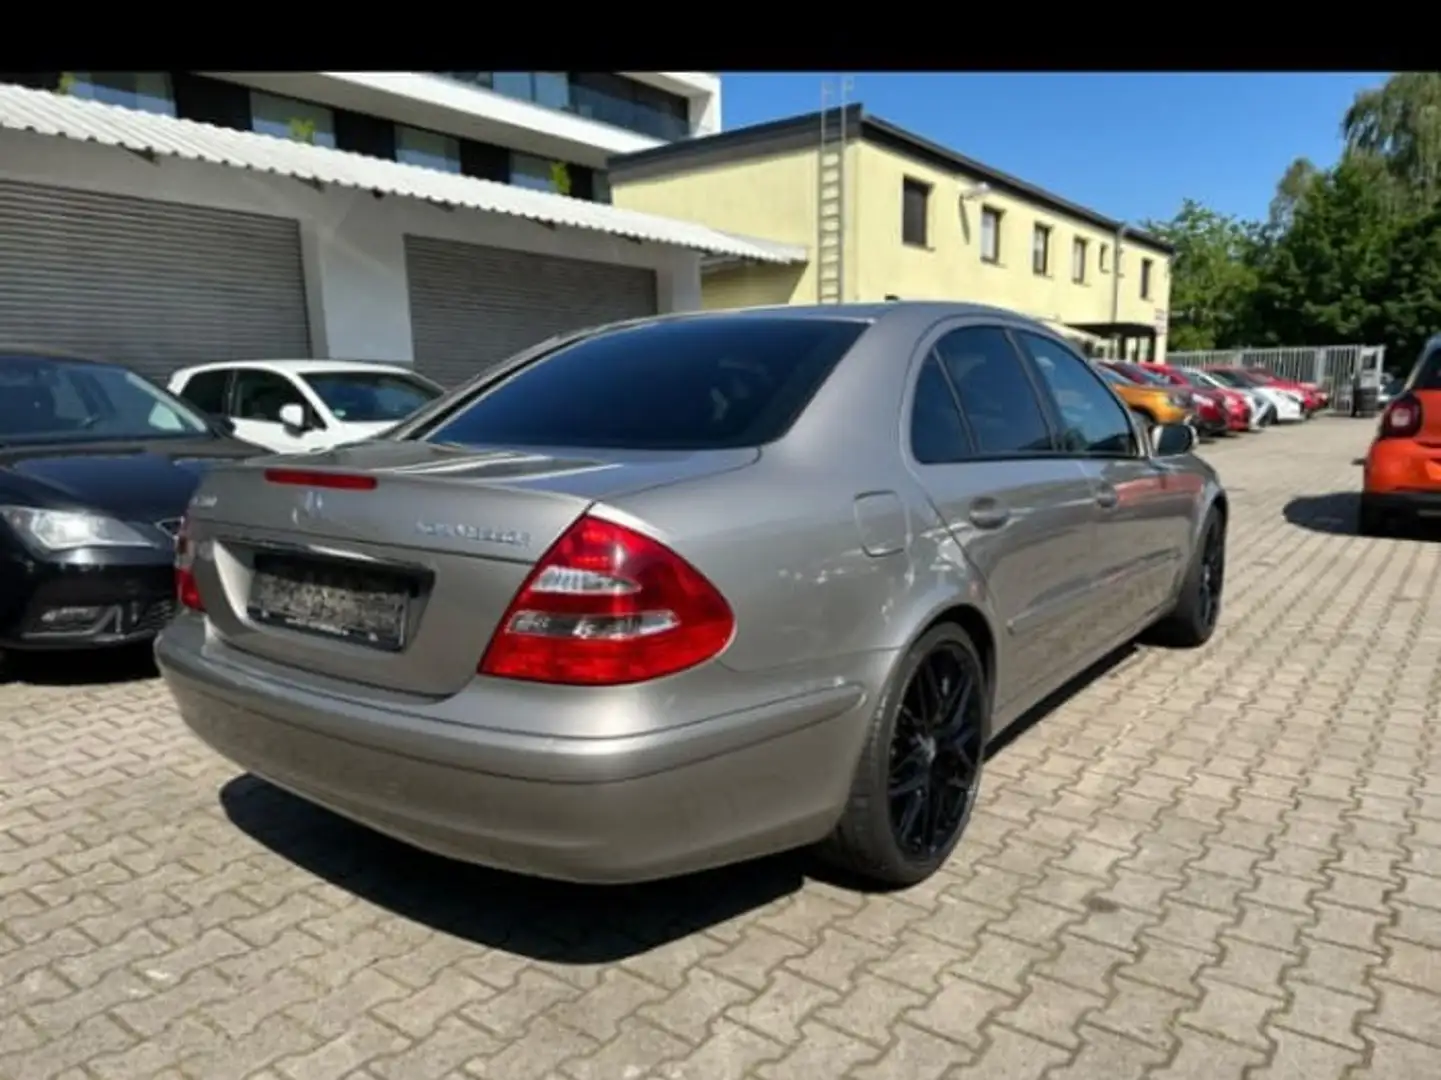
(391, 563)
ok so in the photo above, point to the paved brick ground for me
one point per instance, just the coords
(1213, 865)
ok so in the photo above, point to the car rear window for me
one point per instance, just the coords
(692, 384)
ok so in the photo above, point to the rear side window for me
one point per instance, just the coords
(937, 433)
(1428, 373)
(996, 393)
(693, 384)
(206, 391)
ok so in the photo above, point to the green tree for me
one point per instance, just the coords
(1290, 192)
(1212, 276)
(1400, 122)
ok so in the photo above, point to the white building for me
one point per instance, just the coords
(444, 219)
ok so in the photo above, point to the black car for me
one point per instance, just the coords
(97, 466)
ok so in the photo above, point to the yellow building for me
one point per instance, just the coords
(888, 214)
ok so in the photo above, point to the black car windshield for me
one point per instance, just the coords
(45, 399)
(701, 383)
(371, 397)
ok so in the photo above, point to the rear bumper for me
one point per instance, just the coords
(595, 810)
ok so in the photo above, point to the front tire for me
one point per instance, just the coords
(1193, 620)
(920, 770)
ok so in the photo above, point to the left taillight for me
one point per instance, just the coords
(186, 590)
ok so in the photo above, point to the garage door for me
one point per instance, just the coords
(149, 284)
(471, 306)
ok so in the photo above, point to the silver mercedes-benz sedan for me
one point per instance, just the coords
(683, 591)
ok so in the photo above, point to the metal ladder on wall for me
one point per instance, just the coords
(831, 198)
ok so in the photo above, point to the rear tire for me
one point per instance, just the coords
(920, 770)
(1194, 618)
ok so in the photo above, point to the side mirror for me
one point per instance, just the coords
(292, 417)
(1173, 440)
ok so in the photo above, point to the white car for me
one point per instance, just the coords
(295, 406)
(1268, 405)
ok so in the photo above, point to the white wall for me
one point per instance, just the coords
(352, 242)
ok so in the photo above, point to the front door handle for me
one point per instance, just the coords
(1107, 497)
(988, 514)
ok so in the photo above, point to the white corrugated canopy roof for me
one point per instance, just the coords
(45, 113)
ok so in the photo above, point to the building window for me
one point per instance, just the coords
(990, 234)
(148, 91)
(540, 174)
(1145, 279)
(286, 118)
(428, 149)
(595, 95)
(1041, 249)
(600, 188)
(915, 208)
(1104, 258)
(1078, 261)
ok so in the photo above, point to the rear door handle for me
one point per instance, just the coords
(1107, 498)
(988, 514)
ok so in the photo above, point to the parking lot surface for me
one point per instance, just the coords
(1215, 864)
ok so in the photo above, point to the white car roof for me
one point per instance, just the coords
(300, 367)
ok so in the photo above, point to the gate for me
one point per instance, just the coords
(1336, 369)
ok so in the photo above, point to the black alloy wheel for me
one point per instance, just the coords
(1213, 573)
(936, 751)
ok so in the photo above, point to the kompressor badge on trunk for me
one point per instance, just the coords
(475, 533)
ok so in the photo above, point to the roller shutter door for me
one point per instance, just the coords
(472, 306)
(152, 285)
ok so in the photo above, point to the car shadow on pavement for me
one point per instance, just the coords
(532, 917)
(1335, 515)
(131, 663)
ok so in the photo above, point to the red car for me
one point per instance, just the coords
(1313, 398)
(1234, 404)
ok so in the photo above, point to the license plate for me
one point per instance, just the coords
(331, 601)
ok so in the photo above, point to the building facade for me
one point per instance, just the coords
(888, 214)
(443, 219)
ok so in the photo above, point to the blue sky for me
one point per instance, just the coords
(1130, 146)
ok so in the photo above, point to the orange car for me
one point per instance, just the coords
(1403, 467)
(1154, 404)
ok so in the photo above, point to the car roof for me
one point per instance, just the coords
(299, 367)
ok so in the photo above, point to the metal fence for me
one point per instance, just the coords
(1334, 368)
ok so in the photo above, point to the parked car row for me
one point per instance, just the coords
(658, 596)
(1218, 401)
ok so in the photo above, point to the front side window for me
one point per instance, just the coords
(48, 400)
(206, 391)
(1095, 422)
(371, 397)
(287, 118)
(995, 392)
(427, 149)
(695, 384)
(260, 395)
(148, 91)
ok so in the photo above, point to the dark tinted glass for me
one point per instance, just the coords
(370, 397)
(699, 383)
(995, 392)
(260, 395)
(206, 391)
(937, 433)
(49, 400)
(1428, 373)
(1095, 423)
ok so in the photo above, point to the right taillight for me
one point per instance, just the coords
(186, 590)
(607, 606)
(1402, 418)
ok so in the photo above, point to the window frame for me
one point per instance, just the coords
(994, 214)
(1057, 417)
(1103, 259)
(1041, 392)
(1080, 257)
(1147, 266)
(910, 185)
(313, 416)
(1042, 232)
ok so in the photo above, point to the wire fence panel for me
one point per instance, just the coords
(1337, 369)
